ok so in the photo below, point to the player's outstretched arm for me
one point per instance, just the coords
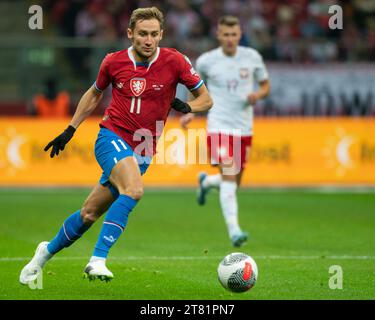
(86, 105)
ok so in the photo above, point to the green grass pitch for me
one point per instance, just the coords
(171, 247)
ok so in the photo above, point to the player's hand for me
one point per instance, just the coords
(58, 144)
(186, 119)
(180, 106)
(253, 98)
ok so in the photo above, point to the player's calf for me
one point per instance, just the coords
(89, 214)
(113, 226)
(71, 230)
(97, 203)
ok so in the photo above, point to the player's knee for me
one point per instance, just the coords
(229, 178)
(89, 214)
(134, 192)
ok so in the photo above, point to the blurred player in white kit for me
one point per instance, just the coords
(230, 73)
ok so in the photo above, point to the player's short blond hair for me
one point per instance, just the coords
(146, 14)
(229, 21)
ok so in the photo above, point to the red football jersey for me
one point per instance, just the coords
(142, 93)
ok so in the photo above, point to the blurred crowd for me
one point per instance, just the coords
(284, 30)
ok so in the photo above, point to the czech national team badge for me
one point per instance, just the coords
(137, 86)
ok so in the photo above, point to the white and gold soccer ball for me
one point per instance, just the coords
(237, 272)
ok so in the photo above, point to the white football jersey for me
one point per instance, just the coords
(230, 79)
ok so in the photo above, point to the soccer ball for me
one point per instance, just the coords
(237, 272)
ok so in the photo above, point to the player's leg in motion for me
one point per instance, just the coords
(71, 230)
(229, 208)
(205, 184)
(126, 177)
(231, 180)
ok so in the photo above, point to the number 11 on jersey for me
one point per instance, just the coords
(135, 100)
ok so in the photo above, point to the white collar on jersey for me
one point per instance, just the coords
(131, 57)
(230, 57)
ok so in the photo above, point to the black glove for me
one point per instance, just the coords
(60, 141)
(180, 106)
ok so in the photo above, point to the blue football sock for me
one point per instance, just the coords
(71, 230)
(114, 224)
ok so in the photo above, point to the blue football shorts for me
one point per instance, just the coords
(110, 149)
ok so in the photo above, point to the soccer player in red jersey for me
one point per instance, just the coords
(144, 78)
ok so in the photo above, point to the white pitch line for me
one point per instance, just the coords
(270, 257)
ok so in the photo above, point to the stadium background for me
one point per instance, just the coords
(316, 129)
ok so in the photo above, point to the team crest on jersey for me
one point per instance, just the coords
(137, 86)
(244, 73)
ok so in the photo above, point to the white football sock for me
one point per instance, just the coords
(43, 256)
(212, 181)
(229, 206)
(94, 259)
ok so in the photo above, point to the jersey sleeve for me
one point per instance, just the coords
(260, 70)
(103, 79)
(188, 76)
